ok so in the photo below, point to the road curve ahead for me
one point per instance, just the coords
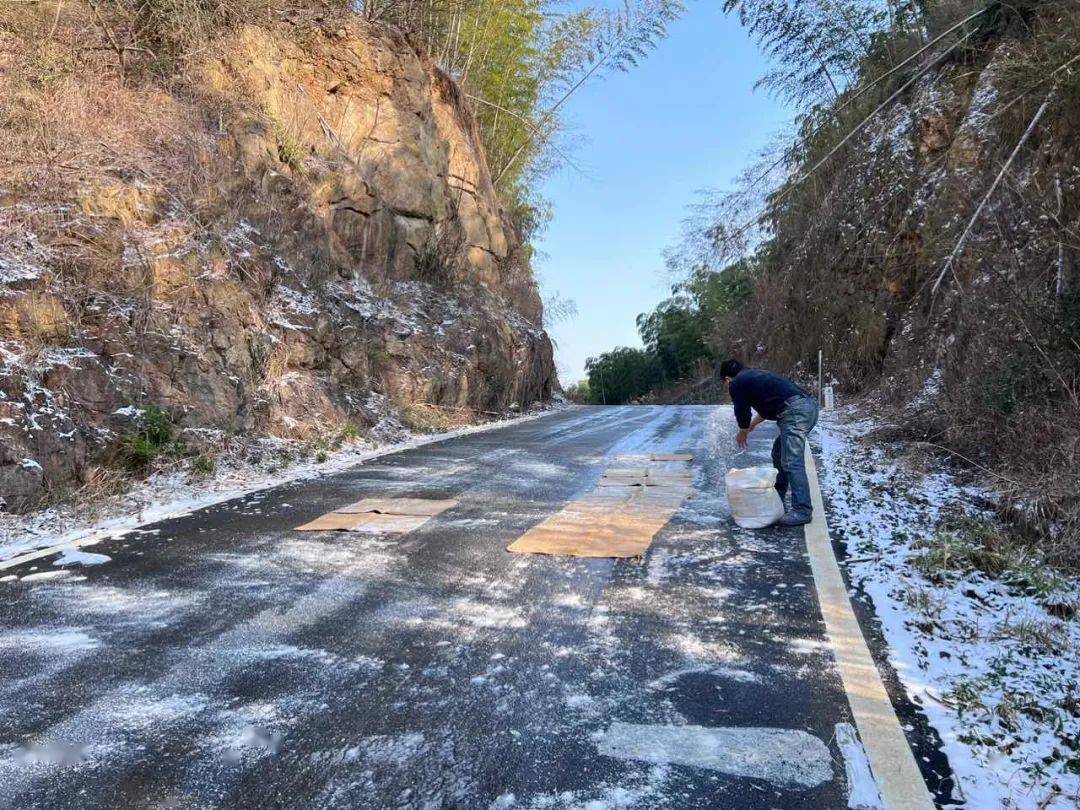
(224, 659)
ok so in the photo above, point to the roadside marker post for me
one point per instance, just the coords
(820, 381)
(828, 398)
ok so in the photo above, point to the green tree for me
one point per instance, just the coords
(621, 375)
(677, 331)
(674, 334)
(578, 392)
(717, 295)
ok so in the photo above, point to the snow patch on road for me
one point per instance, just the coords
(645, 789)
(863, 791)
(809, 646)
(116, 605)
(109, 723)
(694, 648)
(75, 557)
(671, 679)
(57, 641)
(45, 576)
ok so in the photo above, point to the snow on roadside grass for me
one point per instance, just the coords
(168, 495)
(993, 662)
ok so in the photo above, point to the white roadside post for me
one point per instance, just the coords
(820, 393)
(829, 398)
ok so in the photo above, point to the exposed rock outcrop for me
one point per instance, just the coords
(299, 235)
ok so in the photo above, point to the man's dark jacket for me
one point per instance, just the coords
(763, 391)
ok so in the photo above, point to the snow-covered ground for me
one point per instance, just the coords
(994, 663)
(168, 495)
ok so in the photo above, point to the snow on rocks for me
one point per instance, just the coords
(996, 674)
(22, 256)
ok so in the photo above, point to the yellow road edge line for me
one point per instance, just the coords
(898, 778)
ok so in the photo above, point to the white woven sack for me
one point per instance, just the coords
(753, 498)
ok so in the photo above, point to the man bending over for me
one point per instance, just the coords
(777, 399)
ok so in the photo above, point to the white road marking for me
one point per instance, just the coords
(862, 789)
(893, 765)
(787, 758)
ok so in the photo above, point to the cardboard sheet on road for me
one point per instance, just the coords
(624, 478)
(619, 518)
(667, 478)
(399, 506)
(654, 457)
(380, 516)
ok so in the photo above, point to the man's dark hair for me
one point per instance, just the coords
(729, 368)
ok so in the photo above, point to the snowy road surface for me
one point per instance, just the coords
(223, 659)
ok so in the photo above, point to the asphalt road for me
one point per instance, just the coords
(223, 659)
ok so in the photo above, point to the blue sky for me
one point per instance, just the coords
(686, 119)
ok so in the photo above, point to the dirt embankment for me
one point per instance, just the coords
(292, 231)
(956, 308)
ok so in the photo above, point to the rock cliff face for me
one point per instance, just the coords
(298, 237)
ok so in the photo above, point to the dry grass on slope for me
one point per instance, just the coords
(69, 116)
(986, 366)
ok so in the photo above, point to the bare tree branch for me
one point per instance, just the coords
(528, 123)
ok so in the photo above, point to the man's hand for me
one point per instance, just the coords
(740, 438)
(757, 420)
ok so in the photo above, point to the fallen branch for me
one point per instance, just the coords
(56, 20)
(546, 117)
(962, 242)
(328, 130)
(911, 58)
(1059, 282)
(1020, 96)
(135, 48)
(455, 408)
(116, 46)
(880, 108)
(868, 558)
(628, 29)
(947, 704)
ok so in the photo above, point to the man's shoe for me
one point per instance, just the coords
(793, 518)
